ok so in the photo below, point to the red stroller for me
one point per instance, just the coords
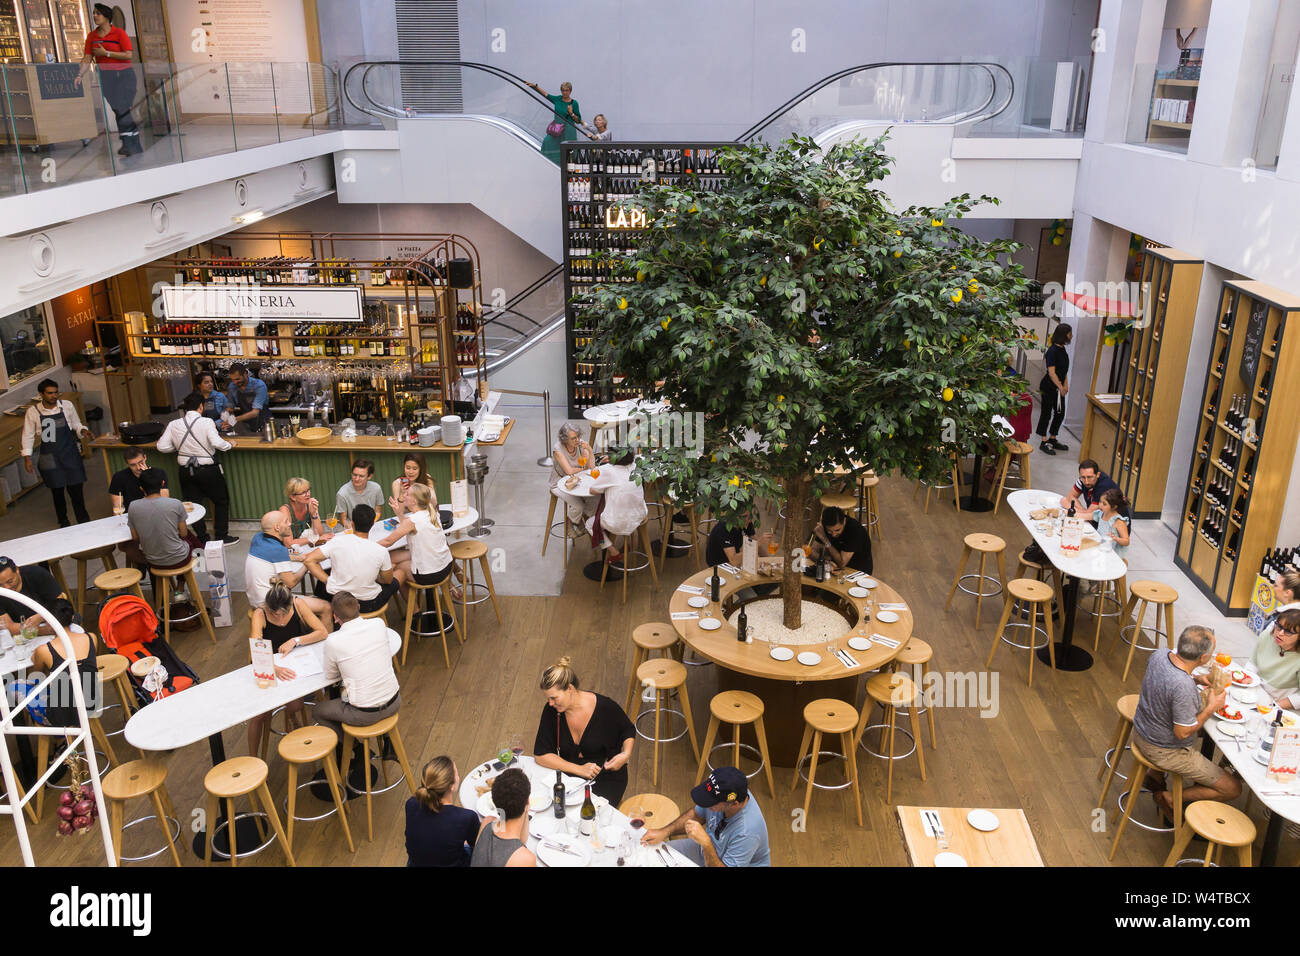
(130, 627)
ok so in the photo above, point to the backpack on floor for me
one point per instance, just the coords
(129, 626)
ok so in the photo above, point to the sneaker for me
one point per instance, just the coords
(1046, 449)
(1059, 446)
(230, 539)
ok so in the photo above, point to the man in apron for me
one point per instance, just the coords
(247, 399)
(55, 425)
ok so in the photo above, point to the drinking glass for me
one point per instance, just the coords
(517, 745)
(295, 421)
(505, 755)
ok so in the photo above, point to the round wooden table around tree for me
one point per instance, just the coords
(786, 687)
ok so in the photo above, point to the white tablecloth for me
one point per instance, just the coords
(609, 822)
(616, 412)
(211, 706)
(61, 542)
(1090, 564)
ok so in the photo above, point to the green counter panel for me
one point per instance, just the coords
(256, 477)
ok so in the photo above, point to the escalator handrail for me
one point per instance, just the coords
(834, 77)
(367, 65)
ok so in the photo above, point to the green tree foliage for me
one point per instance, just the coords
(812, 324)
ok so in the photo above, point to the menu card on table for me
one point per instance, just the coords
(1284, 764)
(749, 555)
(460, 498)
(1071, 535)
(263, 661)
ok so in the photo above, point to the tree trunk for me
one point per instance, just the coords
(794, 536)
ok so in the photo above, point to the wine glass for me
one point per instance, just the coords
(517, 745)
(332, 521)
(505, 755)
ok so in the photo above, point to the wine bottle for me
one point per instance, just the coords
(1204, 450)
(1264, 383)
(1233, 542)
(742, 626)
(1239, 508)
(1213, 406)
(1222, 359)
(557, 797)
(587, 814)
(714, 584)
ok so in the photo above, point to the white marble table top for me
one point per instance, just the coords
(1090, 564)
(211, 706)
(61, 542)
(616, 412)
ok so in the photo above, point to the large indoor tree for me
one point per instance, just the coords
(813, 325)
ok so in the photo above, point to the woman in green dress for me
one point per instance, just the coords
(567, 113)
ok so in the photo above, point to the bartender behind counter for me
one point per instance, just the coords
(247, 401)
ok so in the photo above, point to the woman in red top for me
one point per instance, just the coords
(110, 48)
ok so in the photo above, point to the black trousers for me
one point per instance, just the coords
(208, 482)
(386, 591)
(61, 504)
(119, 88)
(1052, 414)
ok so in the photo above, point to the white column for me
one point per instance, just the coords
(1098, 253)
(1238, 42)
(1288, 161)
(1128, 34)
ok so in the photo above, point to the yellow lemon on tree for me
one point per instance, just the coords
(817, 243)
(762, 280)
(963, 339)
(974, 286)
(664, 324)
(735, 481)
(898, 232)
(907, 343)
(1110, 340)
(898, 254)
(780, 399)
(936, 223)
(956, 296)
(693, 209)
(948, 394)
(622, 303)
(640, 276)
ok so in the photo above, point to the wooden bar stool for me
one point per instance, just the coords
(890, 692)
(105, 557)
(1126, 707)
(1142, 595)
(1218, 824)
(621, 541)
(737, 707)
(868, 506)
(419, 596)
(1114, 592)
(141, 778)
(1020, 451)
(467, 550)
(648, 639)
(380, 612)
(372, 732)
(238, 777)
(985, 544)
(843, 500)
(166, 576)
(1037, 597)
(308, 746)
(43, 760)
(112, 670)
(955, 485)
(122, 579)
(916, 655)
(654, 809)
(663, 676)
(1046, 573)
(828, 716)
(669, 506)
(1124, 808)
(565, 525)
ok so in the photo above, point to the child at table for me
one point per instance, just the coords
(1112, 520)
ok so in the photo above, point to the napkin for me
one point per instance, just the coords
(886, 641)
(729, 568)
(686, 615)
(847, 659)
(892, 607)
(856, 576)
(690, 589)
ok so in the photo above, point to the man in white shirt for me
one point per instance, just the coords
(195, 440)
(358, 565)
(358, 655)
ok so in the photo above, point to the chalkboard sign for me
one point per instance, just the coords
(1254, 343)
(57, 81)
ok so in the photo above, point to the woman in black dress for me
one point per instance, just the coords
(583, 734)
(287, 622)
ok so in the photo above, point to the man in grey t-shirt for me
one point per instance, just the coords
(360, 490)
(1169, 714)
(159, 534)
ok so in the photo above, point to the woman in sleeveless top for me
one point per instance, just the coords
(302, 510)
(570, 456)
(287, 622)
(426, 559)
(60, 705)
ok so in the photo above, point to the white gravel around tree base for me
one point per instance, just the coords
(820, 623)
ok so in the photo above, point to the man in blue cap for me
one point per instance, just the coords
(724, 828)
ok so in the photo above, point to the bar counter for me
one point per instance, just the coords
(257, 470)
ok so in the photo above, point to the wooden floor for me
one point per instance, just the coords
(1040, 753)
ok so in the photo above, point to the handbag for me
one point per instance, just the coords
(555, 129)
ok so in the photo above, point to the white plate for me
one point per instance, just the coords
(810, 658)
(886, 617)
(1260, 758)
(544, 824)
(781, 653)
(485, 806)
(1229, 720)
(948, 858)
(1231, 730)
(698, 601)
(1244, 695)
(1248, 680)
(539, 801)
(858, 592)
(982, 820)
(553, 857)
(859, 643)
(869, 583)
(710, 624)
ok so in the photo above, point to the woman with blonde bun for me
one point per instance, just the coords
(583, 734)
(439, 833)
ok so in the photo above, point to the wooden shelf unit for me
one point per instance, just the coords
(1170, 87)
(1267, 317)
(1153, 378)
